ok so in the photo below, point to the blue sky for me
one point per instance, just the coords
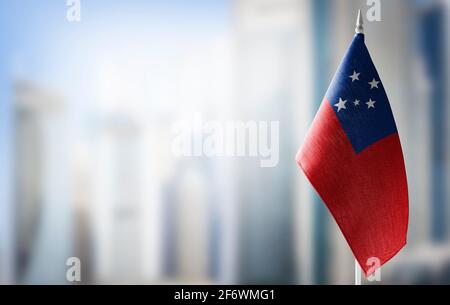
(37, 43)
(37, 32)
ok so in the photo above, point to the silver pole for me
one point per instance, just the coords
(358, 30)
(359, 24)
(357, 274)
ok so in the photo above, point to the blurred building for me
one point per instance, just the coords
(272, 84)
(41, 202)
(188, 211)
(427, 259)
(7, 251)
(117, 199)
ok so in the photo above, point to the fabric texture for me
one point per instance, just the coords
(352, 156)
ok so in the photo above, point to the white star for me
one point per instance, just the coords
(341, 105)
(374, 84)
(370, 104)
(356, 102)
(355, 76)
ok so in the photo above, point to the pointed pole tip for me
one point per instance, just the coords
(359, 24)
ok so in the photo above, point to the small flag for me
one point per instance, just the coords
(353, 157)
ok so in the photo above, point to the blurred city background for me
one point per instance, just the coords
(86, 111)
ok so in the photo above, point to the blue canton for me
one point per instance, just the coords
(359, 100)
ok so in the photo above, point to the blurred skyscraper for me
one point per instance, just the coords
(117, 200)
(41, 202)
(271, 82)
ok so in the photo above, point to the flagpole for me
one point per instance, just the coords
(359, 24)
(357, 274)
(358, 30)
